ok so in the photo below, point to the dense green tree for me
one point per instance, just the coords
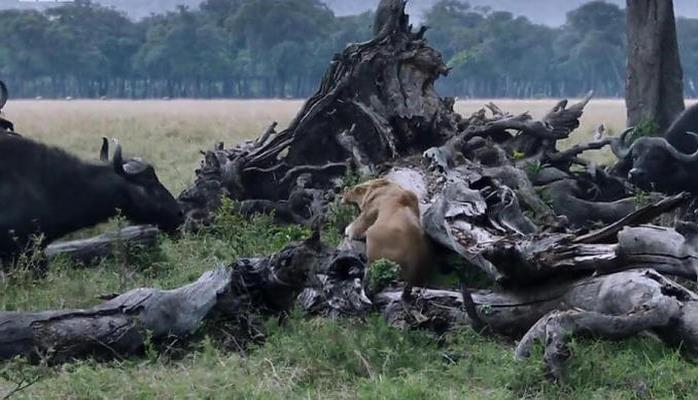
(25, 45)
(491, 53)
(591, 46)
(281, 48)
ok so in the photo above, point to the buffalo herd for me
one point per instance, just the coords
(46, 192)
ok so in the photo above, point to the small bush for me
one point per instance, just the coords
(251, 236)
(646, 127)
(642, 198)
(338, 217)
(381, 274)
(533, 169)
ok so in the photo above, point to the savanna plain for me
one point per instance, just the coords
(304, 357)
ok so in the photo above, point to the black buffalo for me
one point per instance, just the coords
(44, 190)
(657, 164)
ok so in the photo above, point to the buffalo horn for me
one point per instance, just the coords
(687, 158)
(118, 159)
(619, 146)
(104, 151)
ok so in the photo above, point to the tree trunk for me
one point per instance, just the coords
(654, 85)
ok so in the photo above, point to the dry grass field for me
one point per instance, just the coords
(305, 358)
(167, 133)
(171, 133)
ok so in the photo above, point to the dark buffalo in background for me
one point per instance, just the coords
(44, 190)
(668, 163)
(686, 122)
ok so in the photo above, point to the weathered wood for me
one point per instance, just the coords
(642, 216)
(87, 250)
(612, 306)
(624, 304)
(121, 326)
(116, 328)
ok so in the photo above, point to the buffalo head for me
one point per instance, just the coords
(148, 201)
(657, 164)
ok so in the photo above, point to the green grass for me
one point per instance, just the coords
(306, 357)
(311, 357)
(322, 359)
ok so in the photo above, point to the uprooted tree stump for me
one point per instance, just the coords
(375, 103)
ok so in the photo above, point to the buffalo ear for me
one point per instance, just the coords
(134, 169)
(104, 151)
(620, 146)
(118, 160)
(136, 166)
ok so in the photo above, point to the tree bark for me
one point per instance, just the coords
(654, 85)
(87, 250)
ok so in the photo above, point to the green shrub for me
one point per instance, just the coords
(253, 236)
(646, 127)
(338, 217)
(642, 198)
(381, 274)
(533, 169)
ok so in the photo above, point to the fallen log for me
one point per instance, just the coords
(612, 306)
(122, 325)
(317, 277)
(116, 328)
(619, 306)
(102, 246)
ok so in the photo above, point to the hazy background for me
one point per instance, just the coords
(549, 12)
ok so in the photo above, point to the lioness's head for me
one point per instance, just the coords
(358, 193)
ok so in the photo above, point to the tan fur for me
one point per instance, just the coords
(390, 222)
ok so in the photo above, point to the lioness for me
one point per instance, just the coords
(389, 221)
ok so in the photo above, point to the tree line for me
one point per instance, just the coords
(280, 48)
